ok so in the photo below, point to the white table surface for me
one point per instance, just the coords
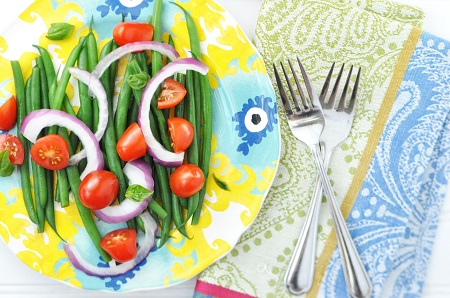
(17, 280)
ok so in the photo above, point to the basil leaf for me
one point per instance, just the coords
(137, 193)
(59, 31)
(139, 81)
(221, 183)
(6, 168)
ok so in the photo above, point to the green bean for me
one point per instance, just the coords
(106, 85)
(85, 213)
(206, 139)
(85, 111)
(23, 168)
(40, 207)
(33, 102)
(192, 151)
(177, 214)
(44, 83)
(133, 112)
(92, 51)
(50, 206)
(123, 103)
(112, 74)
(48, 65)
(63, 188)
(62, 183)
(161, 174)
(156, 208)
(156, 67)
(35, 97)
(46, 105)
(205, 112)
(162, 190)
(141, 59)
(51, 76)
(65, 76)
(162, 126)
(178, 218)
(180, 108)
(134, 67)
(183, 203)
(198, 111)
(110, 140)
(62, 194)
(157, 35)
(57, 197)
(192, 30)
(92, 61)
(68, 107)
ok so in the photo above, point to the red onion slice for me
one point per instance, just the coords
(137, 172)
(97, 89)
(35, 121)
(162, 48)
(155, 149)
(145, 244)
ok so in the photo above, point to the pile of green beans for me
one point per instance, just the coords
(43, 90)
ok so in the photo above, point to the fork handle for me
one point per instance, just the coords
(356, 277)
(300, 272)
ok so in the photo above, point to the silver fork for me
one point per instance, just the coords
(307, 124)
(339, 119)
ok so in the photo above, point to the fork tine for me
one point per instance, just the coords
(344, 92)
(326, 85)
(284, 98)
(299, 87)
(294, 97)
(312, 95)
(323, 93)
(336, 86)
(351, 104)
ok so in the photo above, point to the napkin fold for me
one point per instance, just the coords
(390, 176)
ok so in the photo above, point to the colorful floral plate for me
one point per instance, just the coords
(246, 142)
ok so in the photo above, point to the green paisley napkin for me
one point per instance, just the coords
(379, 36)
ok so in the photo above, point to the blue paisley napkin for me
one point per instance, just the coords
(395, 215)
(391, 175)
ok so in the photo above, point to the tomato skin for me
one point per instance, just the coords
(98, 189)
(8, 114)
(14, 146)
(131, 144)
(172, 94)
(120, 244)
(128, 32)
(186, 180)
(51, 152)
(181, 133)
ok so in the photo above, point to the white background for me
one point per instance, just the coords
(17, 280)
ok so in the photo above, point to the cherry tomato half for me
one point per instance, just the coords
(14, 146)
(186, 180)
(181, 133)
(131, 144)
(8, 114)
(120, 244)
(128, 32)
(50, 152)
(98, 189)
(172, 94)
